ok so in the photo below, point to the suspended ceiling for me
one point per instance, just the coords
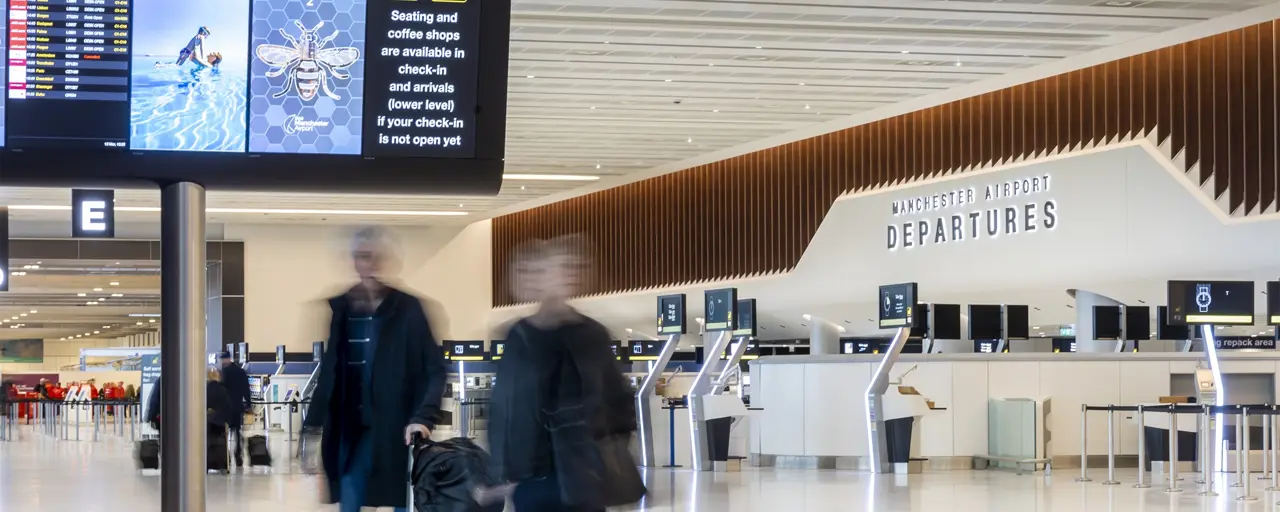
(54, 299)
(612, 88)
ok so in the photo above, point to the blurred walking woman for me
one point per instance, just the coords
(561, 413)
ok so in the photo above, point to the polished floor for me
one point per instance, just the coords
(38, 473)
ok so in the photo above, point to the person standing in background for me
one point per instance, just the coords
(381, 381)
(236, 381)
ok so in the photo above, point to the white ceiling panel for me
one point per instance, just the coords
(631, 85)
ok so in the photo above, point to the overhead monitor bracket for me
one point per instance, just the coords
(644, 399)
(698, 429)
(879, 443)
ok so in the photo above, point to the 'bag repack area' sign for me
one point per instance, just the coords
(974, 217)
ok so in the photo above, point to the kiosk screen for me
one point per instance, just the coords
(1211, 302)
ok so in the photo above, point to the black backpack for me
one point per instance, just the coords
(443, 474)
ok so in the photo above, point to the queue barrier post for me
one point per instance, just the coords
(1266, 449)
(1173, 451)
(1242, 460)
(1142, 452)
(1111, 447)
(1239, 452)
(96, 411)
(1084, 444)
(77, 422)
(1275, 451)
(1206, 452)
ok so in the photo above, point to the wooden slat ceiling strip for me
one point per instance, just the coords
(1210, 103)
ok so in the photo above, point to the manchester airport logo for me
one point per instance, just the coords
(975, 213)
(295, 124)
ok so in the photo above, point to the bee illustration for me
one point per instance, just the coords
(308, 63)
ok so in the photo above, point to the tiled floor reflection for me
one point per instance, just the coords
(41, 474)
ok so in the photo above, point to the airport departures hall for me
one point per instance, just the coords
(667, 255)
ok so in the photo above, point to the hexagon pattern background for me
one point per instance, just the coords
(268, 116)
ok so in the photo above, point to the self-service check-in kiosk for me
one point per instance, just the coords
(671, 323)
(711, 414)
(897, 306)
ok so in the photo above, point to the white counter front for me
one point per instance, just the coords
(814, 406)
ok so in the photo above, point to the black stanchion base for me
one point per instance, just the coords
(672, 466)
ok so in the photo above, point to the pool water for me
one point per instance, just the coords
(182, 109)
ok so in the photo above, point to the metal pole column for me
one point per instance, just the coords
(1242, 460)
(1239, 452)
(1266, 448)
(1205, 442)
(1142, 452)
(182, 347)
(1173, 450)
(1111, 448)
(1275, 451)
(1084, 444)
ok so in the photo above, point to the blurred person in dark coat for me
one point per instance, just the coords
(236, 382)
(557, 369)
(381, 381)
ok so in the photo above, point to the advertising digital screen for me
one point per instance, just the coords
(1137, 323)
(860, 346)
(383, 82)
(1017, 322)
(1211, 302)
(719, 306)
(946, 321)
(986, 346)
(671, 318)
(985, 322)
(897, 305)
(496, 349)
(1273, 302)
(744, 323)
(465, 350)
(1064, 345)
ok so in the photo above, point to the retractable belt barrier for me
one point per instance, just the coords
(64, 419)
(1204, 415)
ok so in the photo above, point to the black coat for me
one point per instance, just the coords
(217, 405)
(531, 381)
(236, 382)
(409, 374)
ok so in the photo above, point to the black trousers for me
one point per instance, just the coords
(541, 495)
(237, 453)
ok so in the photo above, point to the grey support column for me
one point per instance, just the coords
(182, 288)
(824, 338)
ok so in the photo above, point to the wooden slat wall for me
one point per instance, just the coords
(1212, 101)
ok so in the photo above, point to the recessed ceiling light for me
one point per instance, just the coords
(79, 335)
(716, 110)
(81, 294)
(97, 332)
(92, 303)
(689, 140)
(593, 107)
(529, 76)
(106, 327)
(958, 64)
(919, 63)
(710, 64)
(34, 311)
(22, 314)
(606, 42)
(801, 83)
(102, 299)
(117, 295)
(97, 289)
(667, 80)
(1119, 3)
(759, 47)
(587, 52)
(114, 283)
(521, 187)
(806, 106)
(550, 177)
(152, 320)
(139, 323)
(906, 51)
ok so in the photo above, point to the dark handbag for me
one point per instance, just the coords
(593, 471)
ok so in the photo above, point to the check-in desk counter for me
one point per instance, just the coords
(810, 411)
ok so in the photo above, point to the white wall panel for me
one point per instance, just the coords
(1140, 382)
(1248, 367)
(1073, 383)
(1013, 379)
(934, 381)
(782, 429)
(968, 407)
(834, 410)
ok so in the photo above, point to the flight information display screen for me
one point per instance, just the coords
(1210, 302)
(373, 78)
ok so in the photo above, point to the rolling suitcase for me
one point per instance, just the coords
(149, 454)
(219, 458)
(259, 452)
